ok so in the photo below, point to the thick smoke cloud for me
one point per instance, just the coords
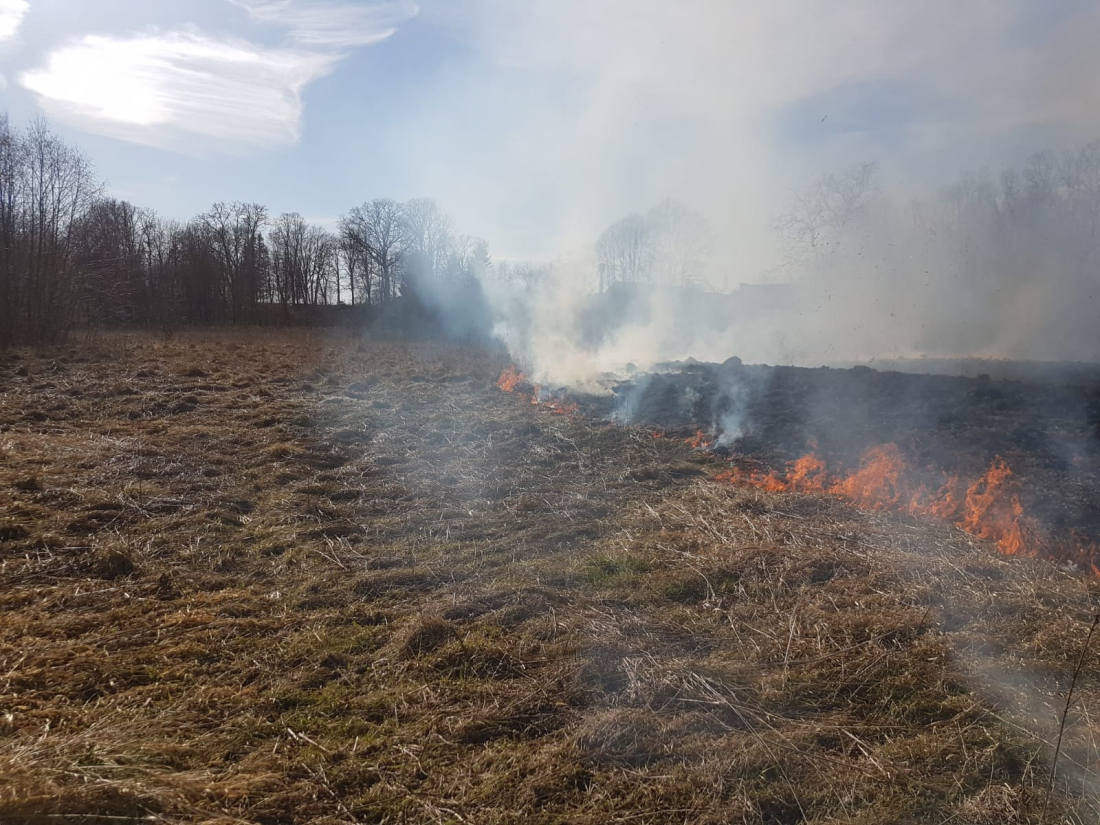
(992, 267)
(601, 109)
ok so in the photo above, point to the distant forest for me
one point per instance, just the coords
(73, 257)
(1006, 263)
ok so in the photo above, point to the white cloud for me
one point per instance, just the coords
(164, 89)
(331, 24)
(11, 17)
(194, 92)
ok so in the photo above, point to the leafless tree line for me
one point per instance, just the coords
(46, 190)
(70, 256)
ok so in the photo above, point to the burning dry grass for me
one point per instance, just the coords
(987, 507)
(274, 577)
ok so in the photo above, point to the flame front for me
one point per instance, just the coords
(988, 508)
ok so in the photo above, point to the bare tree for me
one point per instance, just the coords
(349, 256)
(68, 255)
(287, 241)
(377, 230)
(820, 213)
(47, 186)
(625, 252)
(160, 249)
(681, 243)
(237, 245)
(429, 236)
(304, 267)
(109, 254)
(319, 264)
(11, 203)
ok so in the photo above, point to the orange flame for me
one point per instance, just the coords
(699, 441)
(878, 483)
(994, 512)
(510, 378)
(510, 381)
(808, 474)
(988, 507)
(771, 482)
(563, 407)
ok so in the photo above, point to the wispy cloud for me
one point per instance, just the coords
(195, 92)
(11, 17)
(162, 89)
(331, 24)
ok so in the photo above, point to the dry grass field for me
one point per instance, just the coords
(268, 577)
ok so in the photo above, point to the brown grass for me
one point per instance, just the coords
(281, 577)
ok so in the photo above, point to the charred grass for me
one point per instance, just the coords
(281, 577)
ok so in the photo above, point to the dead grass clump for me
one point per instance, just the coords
(11, 530)
(511, 723)
(112, 563)
(993, 805)
(421, 636)
(666, 471)
(603, 568)
(93, 802)
(481, 654)
(626, 737)
(283, 450)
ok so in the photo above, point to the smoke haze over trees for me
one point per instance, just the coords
(669, 246)
(1002, 265)
(998, 265)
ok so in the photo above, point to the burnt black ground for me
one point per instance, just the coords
(1047, 430)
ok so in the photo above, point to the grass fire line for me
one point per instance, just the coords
(988, 507)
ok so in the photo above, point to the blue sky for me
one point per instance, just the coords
(538, 122)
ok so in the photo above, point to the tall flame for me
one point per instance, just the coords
(509, 378)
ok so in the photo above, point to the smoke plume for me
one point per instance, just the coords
(827, 149)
